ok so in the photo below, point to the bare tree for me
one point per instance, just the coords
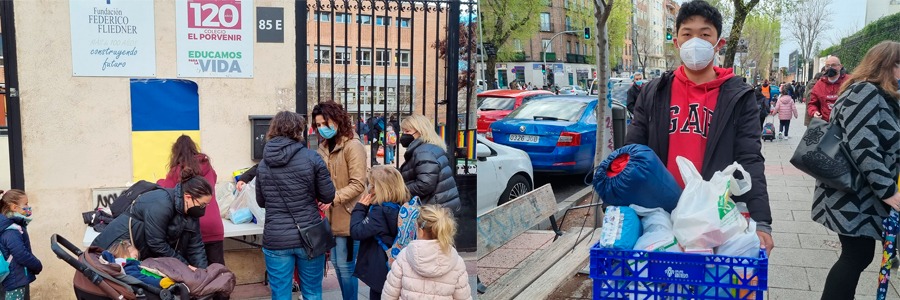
(741, 11)
(806, 24)
(643, 44)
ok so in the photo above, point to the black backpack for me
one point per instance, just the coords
(129, 196)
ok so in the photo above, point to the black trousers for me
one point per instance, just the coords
(215, 252)
(856, 254)
(785, 126)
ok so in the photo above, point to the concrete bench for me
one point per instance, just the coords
(544, 270)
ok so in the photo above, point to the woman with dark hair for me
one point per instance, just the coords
(186, 155)
(345, 156)
(165, 222)
(292, 183)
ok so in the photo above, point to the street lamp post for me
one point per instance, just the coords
(544, 51)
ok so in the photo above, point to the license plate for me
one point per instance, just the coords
(523, 138)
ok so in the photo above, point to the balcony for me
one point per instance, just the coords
(575, 58)
(550, 56)
(519, 57)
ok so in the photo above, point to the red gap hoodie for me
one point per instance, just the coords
(691, 110)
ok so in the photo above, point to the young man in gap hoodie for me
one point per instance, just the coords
(704, 113)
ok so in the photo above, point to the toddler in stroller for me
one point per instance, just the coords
(126, 255)
(98, 279)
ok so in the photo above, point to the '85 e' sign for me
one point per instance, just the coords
(215, 14)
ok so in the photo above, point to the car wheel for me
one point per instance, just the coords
(518, 185)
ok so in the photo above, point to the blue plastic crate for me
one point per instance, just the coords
(634, 274)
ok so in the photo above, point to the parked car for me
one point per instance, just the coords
(504, 173)
(494, 105)
(594, 88)
(572, 90)
(557, 132)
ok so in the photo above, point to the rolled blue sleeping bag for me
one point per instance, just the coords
(634, 175)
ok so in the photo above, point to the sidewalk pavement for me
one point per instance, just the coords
(332, 291)
(804, 250)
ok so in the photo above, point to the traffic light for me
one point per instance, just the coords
(543, 69)
(668, 34)
(587, 33)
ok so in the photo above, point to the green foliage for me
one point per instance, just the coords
(852, 48)
(508, 20)
(618, 28)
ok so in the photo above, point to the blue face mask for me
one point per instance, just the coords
(327, 132)
(639, 83)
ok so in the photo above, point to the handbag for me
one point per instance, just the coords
(823, 155)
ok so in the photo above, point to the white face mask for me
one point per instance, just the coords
(697, 53)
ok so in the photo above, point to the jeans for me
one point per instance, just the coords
(349, 284)
(785, 127)
(280, 266)
(856, 254)
(389, 154)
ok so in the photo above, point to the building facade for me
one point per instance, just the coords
(875, 9)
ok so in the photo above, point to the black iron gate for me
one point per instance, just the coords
(382, 58)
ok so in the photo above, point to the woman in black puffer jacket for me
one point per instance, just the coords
(427, 170)
(292, 183)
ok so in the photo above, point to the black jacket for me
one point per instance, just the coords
(632, 94)
(735, 135)
(291, 179)
(428, 174)
(367, 226)
(160, 228)
(24, 265)
(762, 103)
(248, 175)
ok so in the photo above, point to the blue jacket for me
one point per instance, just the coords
(24, 266)
(133, 268)
(366, 226)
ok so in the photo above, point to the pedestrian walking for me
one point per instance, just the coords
(293, 184)
(345, 157)
(429, 267)
(825, 93)
(766, 89)
(16, 245)
(763, 105)
(694, 92)
(185, 154)
(867, 107)
(633, 92)
(427, 170)
(807, 90)
(376, 129)
(785, 108)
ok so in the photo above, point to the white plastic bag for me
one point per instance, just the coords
(744, 244)
(706, 217)
(258, 212)
(658, 235)
(225, 195)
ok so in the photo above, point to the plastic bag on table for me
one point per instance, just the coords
(621, 228)
(242, 201)
(657, 227)
(225, 195)
(706, 217)
(258, 212)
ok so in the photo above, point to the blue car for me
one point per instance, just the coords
(558, 133)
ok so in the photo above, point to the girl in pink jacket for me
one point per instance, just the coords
(429, 267)
(785, 107)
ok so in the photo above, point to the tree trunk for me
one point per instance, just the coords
(490, 73)
(604, 106)
(731, 49)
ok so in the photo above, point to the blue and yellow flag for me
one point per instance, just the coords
(161, 111)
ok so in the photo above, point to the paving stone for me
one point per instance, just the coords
(788, 205)
(782, 215)
(819, 241)
(785, 240)
(809, 258)
(799, 227)
(778, 196)
(504, 258)
(788, 294)
(802, 215)
(788, 277)
(529, 241)
(801, 196)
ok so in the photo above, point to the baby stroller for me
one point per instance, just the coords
(98, 281)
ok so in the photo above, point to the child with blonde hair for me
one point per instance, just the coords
(16, 245)
(430, 267)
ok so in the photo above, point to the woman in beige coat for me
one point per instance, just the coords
(345, 156)
(429, 267)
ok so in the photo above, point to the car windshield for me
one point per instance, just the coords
(620, 91)
(550, 109)
(496, 103)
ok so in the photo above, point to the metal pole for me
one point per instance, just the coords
(452, 90)
(300, 12)
(16, 161)
(544, 51)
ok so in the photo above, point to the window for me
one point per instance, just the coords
(546, 46)
(342, 55)
(578, 48)
(403, 22)
(518, 44)
(584, 47)
(323, 54)
(403, 58)
(568, 47)
(364, 56)
(322, 16)
(566, 5)
(383, 21)
(342, 18)
(383, 57)
(568, 23)
(545, 22)
(364, 19)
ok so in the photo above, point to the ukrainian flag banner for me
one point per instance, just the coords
(161, 111)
